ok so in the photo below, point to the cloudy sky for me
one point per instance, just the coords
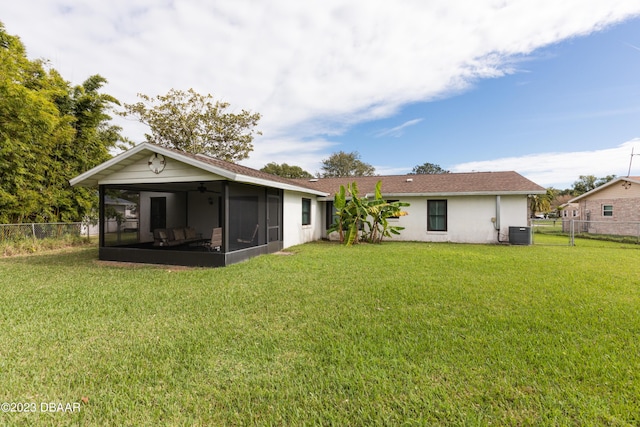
(549, 88)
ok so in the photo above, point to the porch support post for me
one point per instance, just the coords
(225, 216)
(101, 210)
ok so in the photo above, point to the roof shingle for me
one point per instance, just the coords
(436, 184)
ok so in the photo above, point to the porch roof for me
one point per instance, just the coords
(217, 167)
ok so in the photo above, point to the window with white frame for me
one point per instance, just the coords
(607, 210)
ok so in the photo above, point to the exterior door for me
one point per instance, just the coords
(158, 213)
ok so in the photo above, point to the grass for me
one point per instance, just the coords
(391, 334)
(28, 245)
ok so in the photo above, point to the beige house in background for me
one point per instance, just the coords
(569, 211)
(612, 208)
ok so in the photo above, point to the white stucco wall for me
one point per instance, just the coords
(469, 219)
(294, 233)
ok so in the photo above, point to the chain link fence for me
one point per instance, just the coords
(15, 232)
(613, 231)
(604, 231)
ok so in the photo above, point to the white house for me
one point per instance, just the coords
(477, 207)
(179, 198)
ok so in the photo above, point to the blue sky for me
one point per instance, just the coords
(576, 96)
(549, 89)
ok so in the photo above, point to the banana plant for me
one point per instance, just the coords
(363, 218)
(380, 211)
(340, 204)
(357, 214)
(350, 214)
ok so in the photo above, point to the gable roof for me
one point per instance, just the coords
(631, 179)
(473, 183)
(228, 170)
(448, 184)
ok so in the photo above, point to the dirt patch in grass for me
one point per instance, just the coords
(120, 264)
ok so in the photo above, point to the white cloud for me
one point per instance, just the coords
(561, 170)
(310, 68)
(307, 155)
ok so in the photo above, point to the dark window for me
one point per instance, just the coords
(158, 213)
(331, 216)
(437, 215)
(306, 211)
(393, 201)
(607, 210)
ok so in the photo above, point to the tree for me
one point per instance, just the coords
(346, 164)
(193, 123)
(49, 133)
(286, 171)
(427, 168)
(586, 183)
(92, 137)
(542, 202)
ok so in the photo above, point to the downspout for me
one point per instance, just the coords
(496, 220)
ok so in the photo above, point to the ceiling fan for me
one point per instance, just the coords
(202, 189)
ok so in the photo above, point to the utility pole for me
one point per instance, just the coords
(630, 161)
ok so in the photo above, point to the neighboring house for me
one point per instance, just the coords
(560, 204)
(612, 208)
(476, 207)
(179, 198)
(569, 210)
(121, 214)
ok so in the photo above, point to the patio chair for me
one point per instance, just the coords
(255, 233)
(216, 240)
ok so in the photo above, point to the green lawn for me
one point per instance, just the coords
(391, 334)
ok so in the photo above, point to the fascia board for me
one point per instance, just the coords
(462, 193)
(106, 165)
(448, 194)
(275, 184)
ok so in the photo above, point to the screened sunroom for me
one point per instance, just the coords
(164, 206)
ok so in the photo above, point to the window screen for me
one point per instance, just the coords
(306, 211)
(437, 215)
